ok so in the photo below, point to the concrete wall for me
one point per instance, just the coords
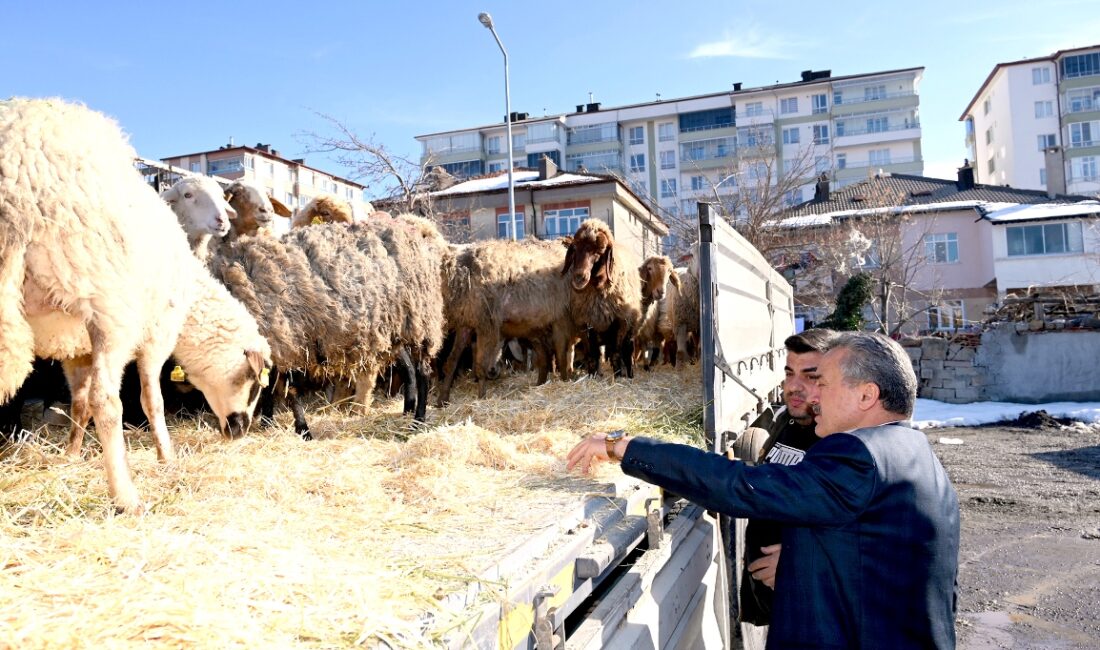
(1037, 367)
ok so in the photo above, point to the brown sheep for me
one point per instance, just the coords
(606, 294)
(687, 315)
(501, 289)
(255, 209)
(661, 284)
(323, 209)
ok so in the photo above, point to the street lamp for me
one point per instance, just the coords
(487, 20)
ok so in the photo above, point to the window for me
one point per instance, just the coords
(496, 167)
(947, 316)
(519, 140)
(1080, 134)
(288, 199)
(249, 162)
(789, 105)
(225, 166)
(821, 134)
(870, 258)
(758, 171)
(606, 132)
(668, 159)
(985, 107)
(820, 103)
(698, 183)
(1047, 140)
(942, 248)
(878, 157)
(838, 97)
(637, 135)
(1044, 109)
(1081, 65)
(637, 162)
(1040, 76)
(1083, 99)
(753, 109)
(871, 93)
(668, 188)
(754, 136)
(1084, 168)
(464, 169)
(504, 225)
(821, 164)
(793, 197)
(715, 118)
(1043, 176)
(842, 161)
(564, 222)
(991, 165)
(196, 168)
(492, 144)
(989, 135)
(666, 131)
(1045, 239)
(878, 124)
(790, 136)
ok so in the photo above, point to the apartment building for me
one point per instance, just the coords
(1026, 111)
(292, 182)
(677, 151)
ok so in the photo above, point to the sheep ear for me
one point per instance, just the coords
(570, 255)
(279, 208)
(610, 263)
(255, 361)
(674, 278)
(170, 195)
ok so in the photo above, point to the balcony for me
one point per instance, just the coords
(859, 133)
(1075, 144)
(841, 100)
(876, 163)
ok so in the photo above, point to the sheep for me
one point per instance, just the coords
(606, 294)
(340, 302)
(255, 210)
(661, 285)
(95, 270)
(501, 288)
(203, 213)
(323, 209)
(687, 314)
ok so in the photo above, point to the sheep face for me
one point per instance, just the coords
(254, 208)
(656, 272)
(590, 256)
(200, 206)
(323, 209)
(233, 395)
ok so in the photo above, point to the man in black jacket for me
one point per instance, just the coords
(791, 434)
(870, 519)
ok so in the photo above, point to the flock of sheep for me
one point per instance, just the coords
(97, 270)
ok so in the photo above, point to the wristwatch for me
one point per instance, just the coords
(610, 440)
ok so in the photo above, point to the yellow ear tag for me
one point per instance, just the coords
(316, 220)
(178, 374)
(265, 377)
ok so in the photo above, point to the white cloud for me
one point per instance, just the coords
(750, 44)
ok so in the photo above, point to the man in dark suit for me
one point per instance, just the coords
(871, 521)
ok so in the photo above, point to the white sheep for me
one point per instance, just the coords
(202, 210)
(95, 271)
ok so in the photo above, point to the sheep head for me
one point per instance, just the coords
(323, 209)
(656, 272)
(255, 209)
(200, 206)
(590, 256)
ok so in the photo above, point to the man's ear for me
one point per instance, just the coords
(868, 395)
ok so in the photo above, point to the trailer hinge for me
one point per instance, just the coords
(655, 523)
(546, 637)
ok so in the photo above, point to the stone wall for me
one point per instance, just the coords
(946, 370)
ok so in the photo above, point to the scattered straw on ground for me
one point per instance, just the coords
(273, 542)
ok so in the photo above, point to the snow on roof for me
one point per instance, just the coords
(1032, 212)
(528, 178)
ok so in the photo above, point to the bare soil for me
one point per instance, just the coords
(1029, 561)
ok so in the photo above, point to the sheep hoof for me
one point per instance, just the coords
(135, 509)
(306, 435)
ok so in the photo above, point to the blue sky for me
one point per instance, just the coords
(186, 77)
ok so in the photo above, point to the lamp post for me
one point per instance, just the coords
(487, 20)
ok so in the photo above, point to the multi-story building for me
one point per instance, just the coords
(292, 182)
(677, 151)
(1026, 111)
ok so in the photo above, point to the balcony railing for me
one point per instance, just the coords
(707, 127)
(893, 160)
(1084, 143)
(843, 131)
(845, 101)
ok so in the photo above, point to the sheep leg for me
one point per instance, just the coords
(450, 368)
(408, 375)
(78, 374)
(103, 399)
(486, 356)
(364, 387)
(423, 377)
(265, 406)
(681, 343)
(152, 402)
(563, 352)
(293, 400)
(592, 359)
(626, 353)
(542, 360)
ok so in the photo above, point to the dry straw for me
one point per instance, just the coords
(353, 539)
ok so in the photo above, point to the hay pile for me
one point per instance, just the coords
(272, 542)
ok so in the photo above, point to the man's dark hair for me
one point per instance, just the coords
(880, 360)
(812, 340)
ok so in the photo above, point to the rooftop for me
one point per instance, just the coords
(1052, 57)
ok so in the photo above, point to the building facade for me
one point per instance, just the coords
(677, 151)
(1030, 109)
(292, 182)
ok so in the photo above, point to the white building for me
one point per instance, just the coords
(1029, 108)
(676, 151)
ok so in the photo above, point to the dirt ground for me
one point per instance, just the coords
(1029, 561)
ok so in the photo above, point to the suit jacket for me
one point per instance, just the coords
(870, 537)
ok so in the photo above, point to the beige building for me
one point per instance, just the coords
(292, 182)
(549, 204)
